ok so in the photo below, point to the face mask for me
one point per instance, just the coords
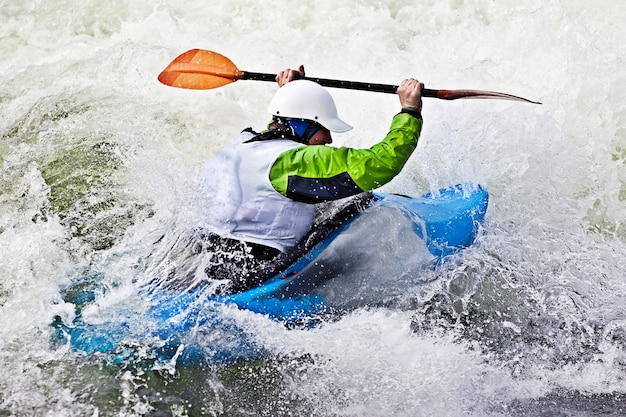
(305, 129)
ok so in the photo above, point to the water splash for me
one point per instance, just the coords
(98, 159)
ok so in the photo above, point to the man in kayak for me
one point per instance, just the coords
(271, 181)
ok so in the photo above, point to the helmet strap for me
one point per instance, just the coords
(278, 128)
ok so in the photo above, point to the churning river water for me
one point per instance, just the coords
(98, 159)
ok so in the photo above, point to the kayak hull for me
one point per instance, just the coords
(385, 244)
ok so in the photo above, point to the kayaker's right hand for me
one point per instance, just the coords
(410, 94)
(289, 74)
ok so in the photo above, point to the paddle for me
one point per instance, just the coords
(199, 69)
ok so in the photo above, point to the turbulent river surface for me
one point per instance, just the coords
(98, 160)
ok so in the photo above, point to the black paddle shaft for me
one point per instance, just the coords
(351, 85)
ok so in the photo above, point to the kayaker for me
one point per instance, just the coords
(272, 180)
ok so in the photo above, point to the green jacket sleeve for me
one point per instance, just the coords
(313, 174)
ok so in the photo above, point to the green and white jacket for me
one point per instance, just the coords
(313, 174)
(278, 181)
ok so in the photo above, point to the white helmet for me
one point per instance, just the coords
(304, 99)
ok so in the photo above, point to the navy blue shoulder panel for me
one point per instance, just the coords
(316, 190)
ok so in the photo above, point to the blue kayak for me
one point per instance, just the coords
(391, 237)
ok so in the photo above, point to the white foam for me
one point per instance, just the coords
(85, 72)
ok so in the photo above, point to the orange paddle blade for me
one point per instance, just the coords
(200, 70)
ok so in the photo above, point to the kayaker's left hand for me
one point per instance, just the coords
(288, 75)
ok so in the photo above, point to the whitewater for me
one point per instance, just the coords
(98, 160)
